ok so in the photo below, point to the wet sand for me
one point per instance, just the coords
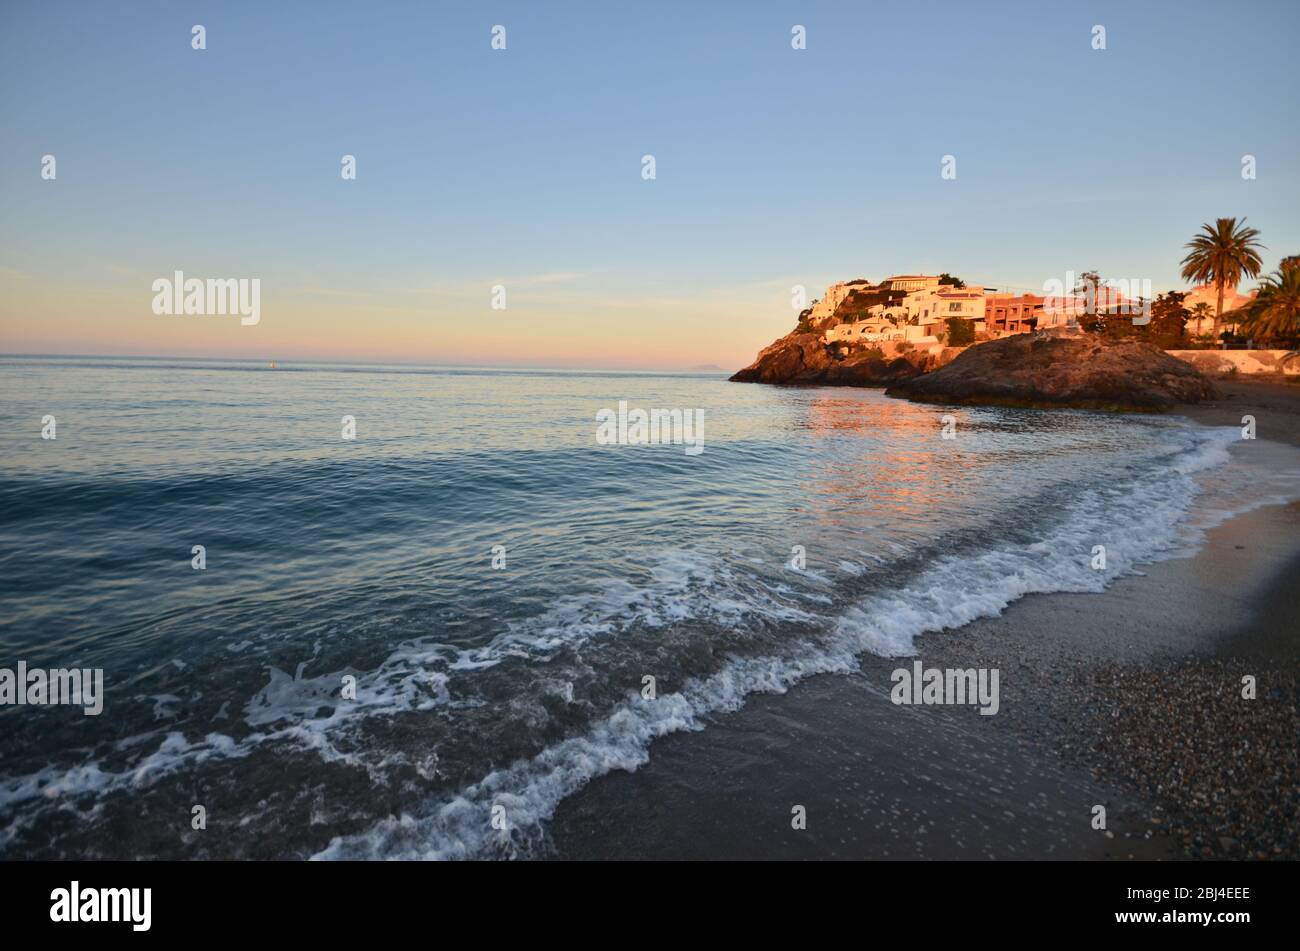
(1274, 404)
(1128, 699)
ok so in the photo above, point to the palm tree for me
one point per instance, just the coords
(1222, 254)
(1199, 313)
(1275, 311)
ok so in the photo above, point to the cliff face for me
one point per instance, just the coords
(1086, 372)
(803, 358)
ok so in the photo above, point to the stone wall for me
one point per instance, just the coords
(1223, 362)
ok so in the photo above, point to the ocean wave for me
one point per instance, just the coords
(305, 712)
(1139, 520)
(780, 627)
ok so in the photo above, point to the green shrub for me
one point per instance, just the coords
(960, 332)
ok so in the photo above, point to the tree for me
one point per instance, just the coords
(1168, 321)
(1092, 318)
(1275, 311)
(1200, 312)
(946, 278)
(1222, 254)
(960, 332)
(1087, 286)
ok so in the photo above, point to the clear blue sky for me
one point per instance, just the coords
(775, 166)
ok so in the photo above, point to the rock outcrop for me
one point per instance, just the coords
(804, 358)
(1045, 370)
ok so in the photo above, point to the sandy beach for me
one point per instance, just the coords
(1274, 404)
(1129, 699)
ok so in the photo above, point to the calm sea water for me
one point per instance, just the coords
(479, 687)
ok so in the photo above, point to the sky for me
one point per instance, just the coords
(522, 167)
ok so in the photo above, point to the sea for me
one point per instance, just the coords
(362, 611)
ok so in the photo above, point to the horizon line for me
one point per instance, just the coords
(360, 362)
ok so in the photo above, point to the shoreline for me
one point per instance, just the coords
(1127, 698)
(1274, 404)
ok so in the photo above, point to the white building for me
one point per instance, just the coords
(866, 331)
(875, 333)
(917, 312)
(835, 295)
(932, 307)
(919, 317)
(909, 282)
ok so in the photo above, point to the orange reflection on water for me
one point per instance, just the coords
(897, 466)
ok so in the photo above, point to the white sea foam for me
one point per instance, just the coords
(1139, 522)
(60, 786)
(305, 711)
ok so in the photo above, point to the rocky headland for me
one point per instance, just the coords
(802, 358)
(1084, 371)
